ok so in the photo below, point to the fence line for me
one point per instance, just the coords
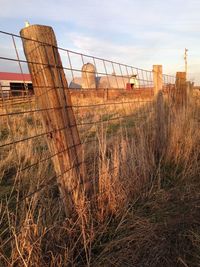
(75, 97)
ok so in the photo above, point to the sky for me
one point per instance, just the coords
(139, 33)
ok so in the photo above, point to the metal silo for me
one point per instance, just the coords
(88, 76)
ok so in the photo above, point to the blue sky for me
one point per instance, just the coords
(136, 32)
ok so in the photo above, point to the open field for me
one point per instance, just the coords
(144, 209)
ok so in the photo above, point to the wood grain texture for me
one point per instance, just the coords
(52, 95)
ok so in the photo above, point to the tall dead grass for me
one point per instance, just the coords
(133, 175)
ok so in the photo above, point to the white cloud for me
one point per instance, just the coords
(127, 54)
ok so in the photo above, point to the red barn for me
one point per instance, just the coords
(15, 84)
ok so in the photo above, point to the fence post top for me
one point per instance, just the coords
(157, 68)
(157, 65)
(36, 26)
(39, 33)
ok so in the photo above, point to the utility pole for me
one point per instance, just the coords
(185, 59)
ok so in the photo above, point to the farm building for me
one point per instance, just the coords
(15, 84)
(18, 84)
(90, 80)
(101, 82)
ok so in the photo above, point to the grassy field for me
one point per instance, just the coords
(144, 166)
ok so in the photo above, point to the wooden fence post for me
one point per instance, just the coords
(181, 90)
(51, 90)
(160, 121)
(157, 78)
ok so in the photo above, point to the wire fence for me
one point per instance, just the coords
(101, 97)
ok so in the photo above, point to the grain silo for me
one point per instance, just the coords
(88, 76)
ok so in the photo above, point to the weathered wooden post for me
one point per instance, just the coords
(157, 78)
(181, 90)
(160, 111)
(51, 90)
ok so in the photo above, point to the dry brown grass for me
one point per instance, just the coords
(144, 210)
